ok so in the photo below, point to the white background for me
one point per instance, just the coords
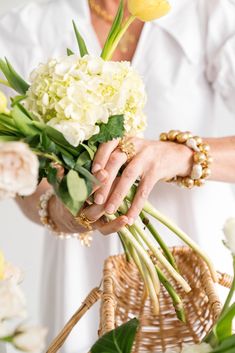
(22, 240)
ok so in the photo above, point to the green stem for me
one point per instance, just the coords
(177, 302)
(5, 83)
(108, 55)
(148, 208)
(231, 292)
(48, 156)
(158, 254)
(149, 286)
(7, 339)
(159, 240)
(125, 247)
(142, 253)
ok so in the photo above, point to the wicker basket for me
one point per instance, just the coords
(122, 299)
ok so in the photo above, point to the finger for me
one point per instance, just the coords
(114, 226)
(128, 178)
(93, 212)
(102, 177)
(116, 161)
(103, 154)
(145, 187)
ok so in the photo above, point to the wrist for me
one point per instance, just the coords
(61, 217)
(176, 159)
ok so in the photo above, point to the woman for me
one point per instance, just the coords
(187, 62)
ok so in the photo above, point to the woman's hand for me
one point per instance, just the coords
(153, 161)
(67, 223)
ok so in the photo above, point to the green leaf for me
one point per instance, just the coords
(88, 176)
(83, 159)
(81, 42)
(76, 186)
(69, 160)
(64, 195)
(59, 139)
(23, 122)
(116, 27)
(8, 123)
(52, 176)
(46, 143)
(33, 141)
(223, 328)
(118, 341)
(16, 100)
(89, 150)
(8, 138)
(69, 52)
(13, 78)
(112, 130)
(227, 346)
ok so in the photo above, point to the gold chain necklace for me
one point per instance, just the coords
(127, 39)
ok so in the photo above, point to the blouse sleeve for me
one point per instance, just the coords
(221, 49)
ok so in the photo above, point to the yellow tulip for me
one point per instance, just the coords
(148, 10)
(3, 103)
(2, 265)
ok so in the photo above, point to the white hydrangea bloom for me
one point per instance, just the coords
(74, 95)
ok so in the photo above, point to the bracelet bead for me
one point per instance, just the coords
(201, 158)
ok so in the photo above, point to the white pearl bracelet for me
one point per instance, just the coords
(45, 219)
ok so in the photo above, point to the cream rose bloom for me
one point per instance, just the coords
(30, 339)
(18, 170)
(229, 232)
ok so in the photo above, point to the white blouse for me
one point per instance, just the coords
(187, 60)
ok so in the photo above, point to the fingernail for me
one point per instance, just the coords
(101, 176)
(96, 167)
(130, 221)
(110, 209)
(99, 199)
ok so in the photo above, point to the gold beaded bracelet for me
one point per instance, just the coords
(202, 159)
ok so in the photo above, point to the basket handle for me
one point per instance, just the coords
(90, 300)
(225, 280)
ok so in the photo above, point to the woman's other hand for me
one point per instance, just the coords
(153, 161)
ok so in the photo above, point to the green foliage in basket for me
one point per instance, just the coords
(119, 340)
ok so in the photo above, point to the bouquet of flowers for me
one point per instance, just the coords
(73, 104)
(23, 337)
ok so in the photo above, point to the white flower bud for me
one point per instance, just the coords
(30, 339)
(229, 232)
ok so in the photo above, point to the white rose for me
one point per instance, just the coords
(18, 169)
(30, 339)
(229, 232)
(12, 300)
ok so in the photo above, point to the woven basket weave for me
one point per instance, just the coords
(122, 299)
